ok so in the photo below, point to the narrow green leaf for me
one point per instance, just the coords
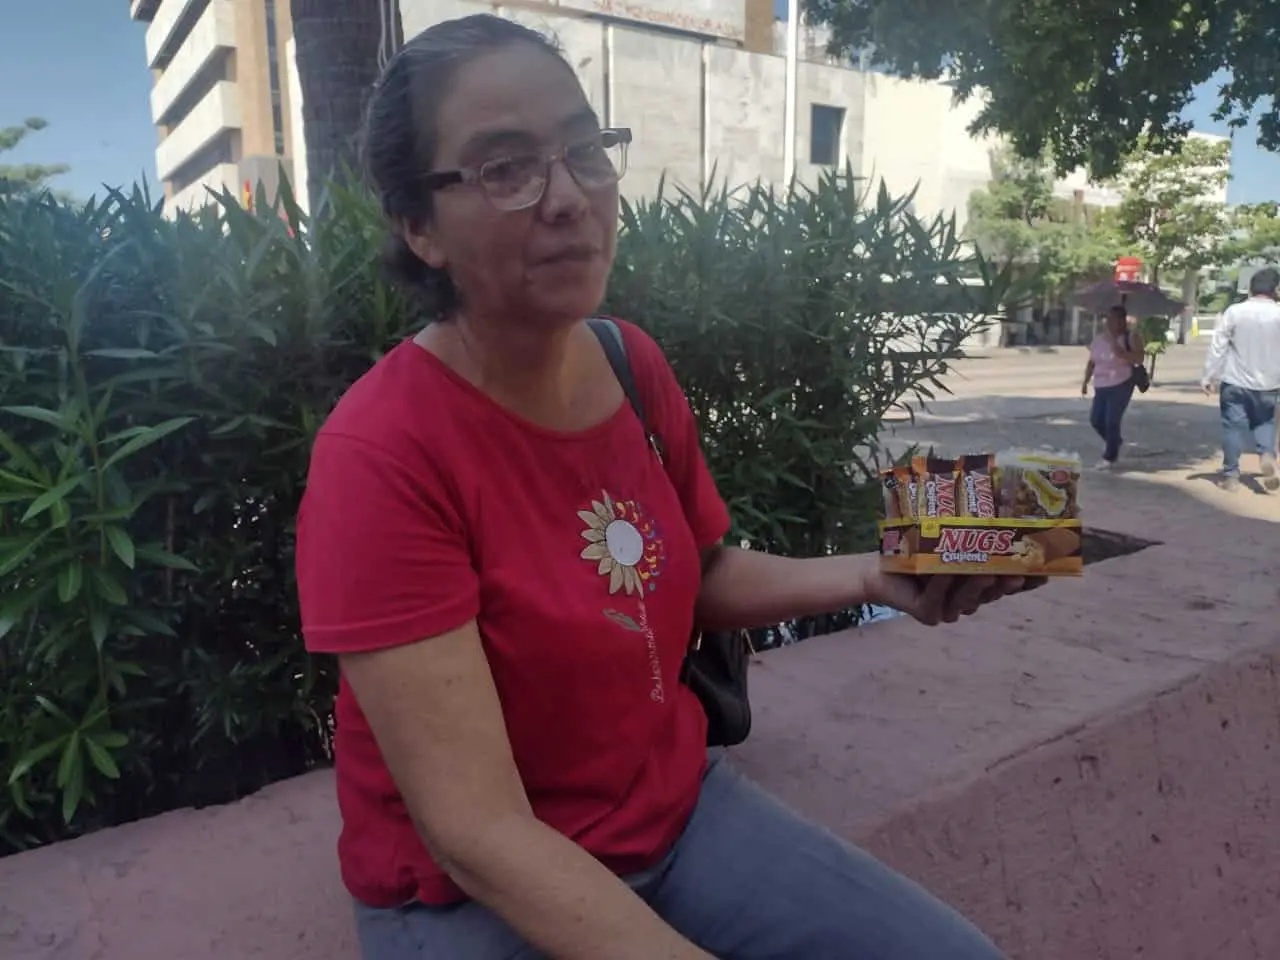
(101, 759)
(99, 623)
(53, 710)
(164, 558)
(34, 756)
(23, 482)
(108, 587)
(233, 424)
(123, 353)
(50, 497)
(73, 791)
(22, 458)
(121, 545)
(15, 606)
(59, 515)
(113, 739)
(50, 417)
(70, 579)
(19, 556)
(19, 803)
(148, 624)
(140, 442)
(70, 758)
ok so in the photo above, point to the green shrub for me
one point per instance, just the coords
(161, 382)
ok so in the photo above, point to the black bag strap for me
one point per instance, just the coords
(615, 351)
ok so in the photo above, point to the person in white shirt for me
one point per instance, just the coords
(1244, 361)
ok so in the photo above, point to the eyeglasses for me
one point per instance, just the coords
(519, 181)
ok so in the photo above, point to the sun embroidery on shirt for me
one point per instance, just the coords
(624, 543)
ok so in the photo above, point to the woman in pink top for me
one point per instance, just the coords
(1112, 357)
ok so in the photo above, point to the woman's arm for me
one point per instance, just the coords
(1088, 375)
(1137, 349)
(743, 588)
(435, 712)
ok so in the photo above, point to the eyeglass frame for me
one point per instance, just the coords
(473, 175)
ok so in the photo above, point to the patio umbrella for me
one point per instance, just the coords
(1140, 299)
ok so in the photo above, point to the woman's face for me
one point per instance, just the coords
(1117, 323)
(546, 264)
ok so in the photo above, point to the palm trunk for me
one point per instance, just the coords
(337, 49)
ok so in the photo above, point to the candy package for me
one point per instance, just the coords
(1012, 512)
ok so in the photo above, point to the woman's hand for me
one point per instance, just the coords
(940, 598)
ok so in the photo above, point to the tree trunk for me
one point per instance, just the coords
(1191, 297)
(337, 49)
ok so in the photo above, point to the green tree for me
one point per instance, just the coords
(25, 177)
(1086, 79)
(1054, 243)
(1171, 211)
(1255, 233)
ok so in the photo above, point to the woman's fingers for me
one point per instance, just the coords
(932, 600)
(943, 598)
(968, 596)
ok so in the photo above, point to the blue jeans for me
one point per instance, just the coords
(1109, 405)
(747, 880)
(1246, 411)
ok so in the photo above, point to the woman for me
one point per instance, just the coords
(1112, 356)
(509, 577)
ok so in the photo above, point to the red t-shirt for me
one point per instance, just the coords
(428, 505)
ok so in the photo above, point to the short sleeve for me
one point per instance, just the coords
(383, 557)
(704, 508)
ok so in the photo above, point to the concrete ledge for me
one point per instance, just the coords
(1089, 771)
(254, 879)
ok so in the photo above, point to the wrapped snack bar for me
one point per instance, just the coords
(1015, 512)
(936, 489)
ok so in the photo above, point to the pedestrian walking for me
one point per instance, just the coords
(1113, 354)
(1244, 364)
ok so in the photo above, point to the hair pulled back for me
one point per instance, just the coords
(400, 139)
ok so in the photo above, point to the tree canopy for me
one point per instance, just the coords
(1173, 209)
(1017, 220)
(1084, 79)
(1254, 236)
(25, 177)
(1171, 213)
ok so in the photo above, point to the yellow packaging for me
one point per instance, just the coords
(1019, 515)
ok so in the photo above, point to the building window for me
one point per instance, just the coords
(826, 130)
(273, 72)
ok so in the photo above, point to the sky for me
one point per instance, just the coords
(80, 65)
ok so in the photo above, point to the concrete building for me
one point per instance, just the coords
(222, 100)
(702, 83)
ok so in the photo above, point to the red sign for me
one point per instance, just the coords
(1128, 269)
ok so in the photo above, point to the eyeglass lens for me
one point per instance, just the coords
(519, 181)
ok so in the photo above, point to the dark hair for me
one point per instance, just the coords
(1265, 282)
(1119, 310)
(399, 137)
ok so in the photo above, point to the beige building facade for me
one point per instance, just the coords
(703, 85)
(221, 99)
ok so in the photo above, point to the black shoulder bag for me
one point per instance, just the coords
(1141, 379)
(715, 665)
